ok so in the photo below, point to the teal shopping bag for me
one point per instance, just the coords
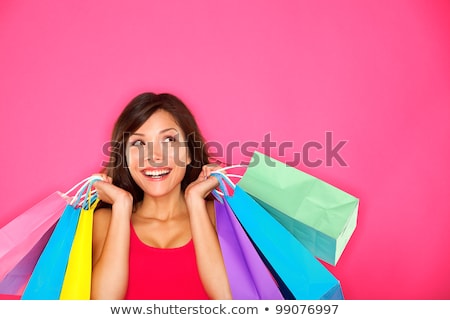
(318, 214)
(299, 274)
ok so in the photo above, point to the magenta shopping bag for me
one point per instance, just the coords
(248, 275)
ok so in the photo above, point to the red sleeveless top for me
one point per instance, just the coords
(163, 274)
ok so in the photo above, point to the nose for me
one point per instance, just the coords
(155, 152)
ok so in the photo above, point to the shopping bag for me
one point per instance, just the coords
(77, 278)
(299, 274)
(248, 276)
(14, 282)
(318, 214)
(47, 278)
(18, 237)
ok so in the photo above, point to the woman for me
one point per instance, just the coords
(155, 238)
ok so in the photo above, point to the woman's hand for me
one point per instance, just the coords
(205, 183)
(112, 194)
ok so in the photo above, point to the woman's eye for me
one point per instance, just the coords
(137, 143)
(169, 139)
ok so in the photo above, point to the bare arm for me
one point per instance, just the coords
(110, 244)
(207, 247)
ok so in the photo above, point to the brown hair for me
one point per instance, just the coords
(138, 110)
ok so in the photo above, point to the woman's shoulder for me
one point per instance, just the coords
(102, 215)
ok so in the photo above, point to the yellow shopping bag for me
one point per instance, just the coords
(77, 279)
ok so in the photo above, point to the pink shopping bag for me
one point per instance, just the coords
(19, 236)
(14, 282)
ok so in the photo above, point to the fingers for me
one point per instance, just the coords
(103, 186)
(103, 176)
(212, 181)
(208, 168)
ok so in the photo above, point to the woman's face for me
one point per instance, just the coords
(157, 155)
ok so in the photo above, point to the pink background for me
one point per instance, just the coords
(375, 73)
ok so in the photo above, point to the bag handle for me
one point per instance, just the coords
(85, 194)
(224, 183)
(221, 175)
(67, 193)
(90, 196)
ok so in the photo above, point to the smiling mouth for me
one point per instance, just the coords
(156, 174)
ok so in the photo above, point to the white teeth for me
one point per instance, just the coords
(156, 173)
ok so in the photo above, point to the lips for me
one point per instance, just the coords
(156, 173)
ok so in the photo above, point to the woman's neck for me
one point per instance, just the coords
(162, 208)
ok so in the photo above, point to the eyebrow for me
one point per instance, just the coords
(162, 131)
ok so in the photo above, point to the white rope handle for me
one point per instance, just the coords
(84, 191)
(84, 181)
(226, 177)
(232, 167)
(234, 175)
(84, 196)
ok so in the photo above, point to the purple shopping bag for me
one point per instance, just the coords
(248, 275)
